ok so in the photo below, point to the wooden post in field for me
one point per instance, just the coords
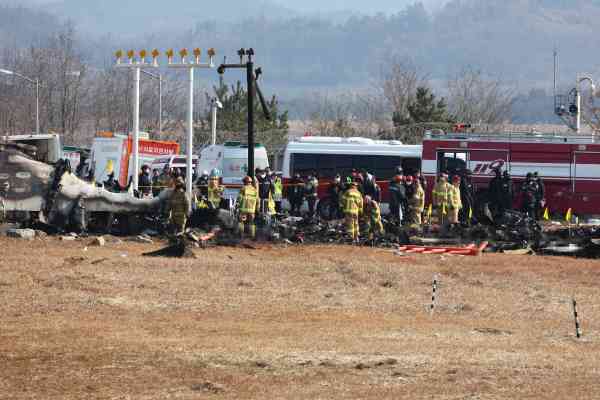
(433, 294)
(576, 317)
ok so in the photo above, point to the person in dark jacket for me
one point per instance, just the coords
(311, 193)
(371, 188)
(467, 197)
(495, 192)
(397, 198)
(266, 189)
(540, 199)
(295, 194)
(506, 193)
(335, 192)
(111, 184)
(530, 191)
(145, 181)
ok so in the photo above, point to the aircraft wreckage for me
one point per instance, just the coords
(37, 192)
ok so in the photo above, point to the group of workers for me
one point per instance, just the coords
(356, 199)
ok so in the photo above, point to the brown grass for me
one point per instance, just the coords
(293, 323)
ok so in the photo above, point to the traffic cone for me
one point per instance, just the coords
(546, 215)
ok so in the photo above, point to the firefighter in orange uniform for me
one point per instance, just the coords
(440, 197)
(416, 204)
(352, 207)
(372, 218)
(248, 207)
(454, 202)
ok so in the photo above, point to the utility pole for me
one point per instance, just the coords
(252, 89)
(136, 65)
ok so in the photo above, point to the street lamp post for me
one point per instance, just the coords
(160, 81)
(580, 79)
(190, 65)
(136, 65)
(214, 105)
(36, 82)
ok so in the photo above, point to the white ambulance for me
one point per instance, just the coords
(231, 159)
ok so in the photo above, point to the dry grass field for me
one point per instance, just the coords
(292, 323)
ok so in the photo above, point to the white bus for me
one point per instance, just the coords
(329, 156)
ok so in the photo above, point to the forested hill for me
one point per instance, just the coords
(510, 38)
(23, 27)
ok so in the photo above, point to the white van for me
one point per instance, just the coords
(231, 159)
(174, 161)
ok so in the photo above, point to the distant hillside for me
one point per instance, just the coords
(147, 16)
(23, 27)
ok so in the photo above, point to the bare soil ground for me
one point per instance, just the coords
(292, 323)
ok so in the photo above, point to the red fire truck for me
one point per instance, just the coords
(569, 165)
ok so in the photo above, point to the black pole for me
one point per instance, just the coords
(250, 77)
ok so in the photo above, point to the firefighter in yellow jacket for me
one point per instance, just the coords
(179, 206)
(440, 198)
(248, 207)
(454, 202)
(372, 218)
(352, 207)
(416, 204)
(215, 192)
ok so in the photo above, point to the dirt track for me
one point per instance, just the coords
(301, 322)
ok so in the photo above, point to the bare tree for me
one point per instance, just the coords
(475, 98)
(399, 81)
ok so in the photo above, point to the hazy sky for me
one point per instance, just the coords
(364, 6)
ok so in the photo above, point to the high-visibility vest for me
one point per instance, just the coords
(214, 194)
(352, 202)
(248, 199)
(417, 202)
(375, 212)
(454, 197)
(277, 189)
(440, 193)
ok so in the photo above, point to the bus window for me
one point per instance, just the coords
(386, 167)
(411, 166)
(304, 164)
(452, 162)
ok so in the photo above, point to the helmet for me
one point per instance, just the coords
(145, 166)
(215, 173)
(529, 175)
(247, 180)
(399, 170)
